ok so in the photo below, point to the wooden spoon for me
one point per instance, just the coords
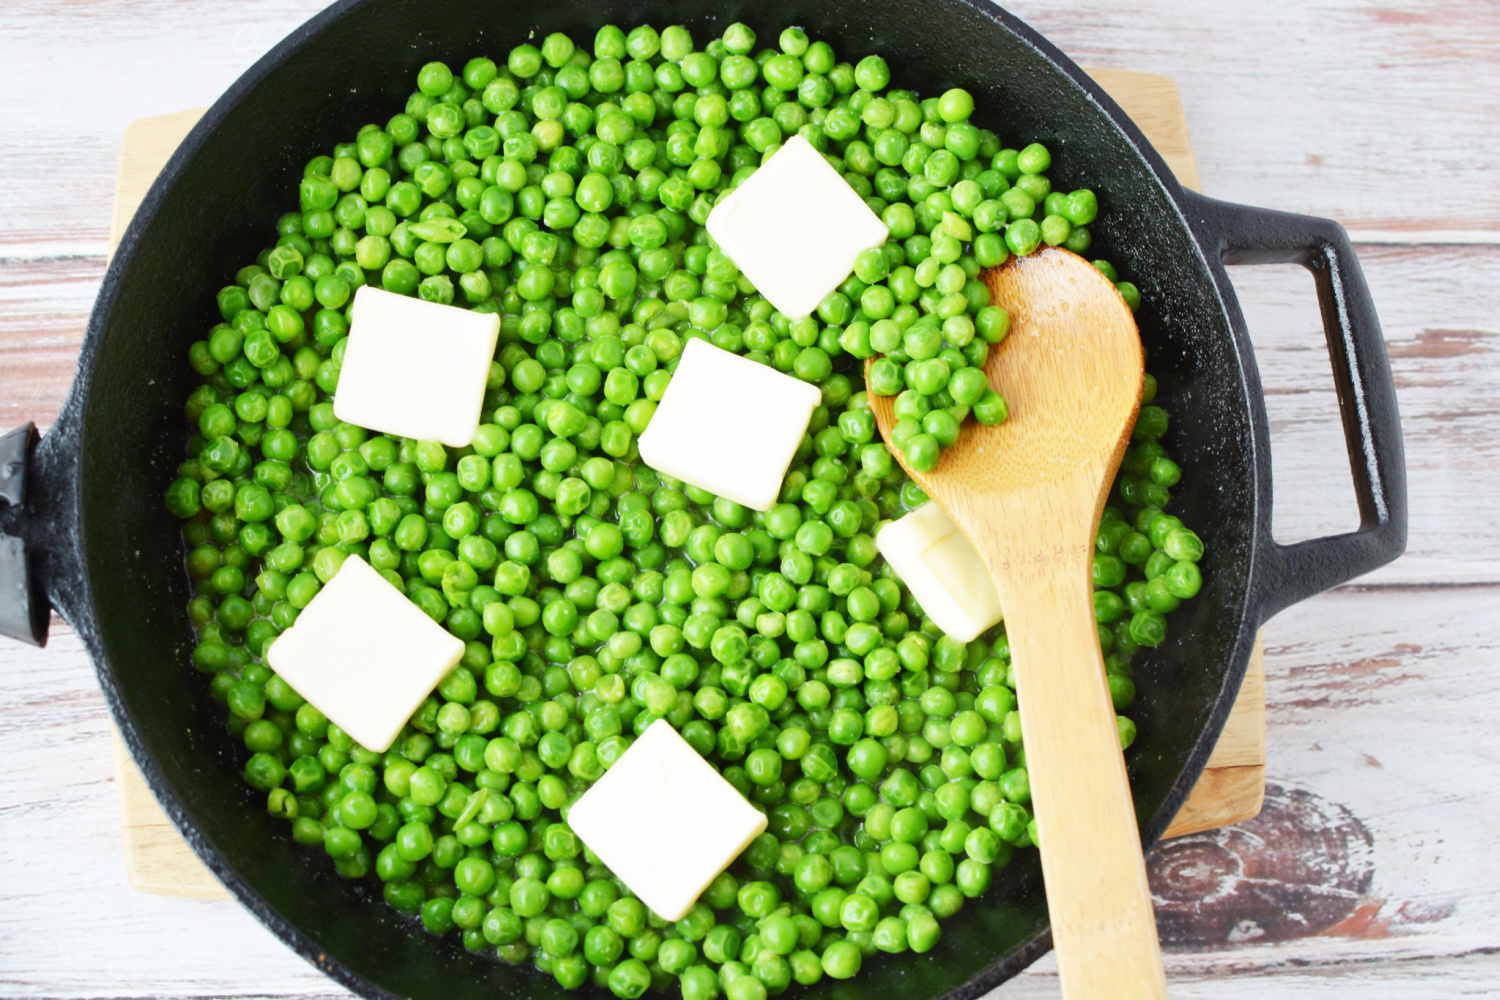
(1028, 494)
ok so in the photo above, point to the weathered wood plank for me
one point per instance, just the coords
(1441, 979)
(124, 60)
(1327, 107)
(44, 307)
(1376, 842)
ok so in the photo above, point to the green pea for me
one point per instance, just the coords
(842, 960)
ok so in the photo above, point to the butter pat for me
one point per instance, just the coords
(794, 228)
(942, 570)
(665, 821)
(364, 655)
(415, 369)
(728, 425)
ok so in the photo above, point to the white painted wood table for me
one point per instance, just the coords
(1371, 873)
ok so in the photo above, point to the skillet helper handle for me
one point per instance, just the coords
(24, 609)
(1366, 393)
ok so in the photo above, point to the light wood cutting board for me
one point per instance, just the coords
(1230, 790)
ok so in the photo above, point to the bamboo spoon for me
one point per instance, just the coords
(1028, 494)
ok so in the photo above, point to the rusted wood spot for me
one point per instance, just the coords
(1302, 867)
(1439, 344)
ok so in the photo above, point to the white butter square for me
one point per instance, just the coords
(942, 570)
(729, 425)
(415, 369)
(794, 228)
(665, 821)
(364, 655)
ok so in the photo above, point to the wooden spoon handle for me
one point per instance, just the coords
(1100, 904)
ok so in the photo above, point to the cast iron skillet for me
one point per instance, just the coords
(86, 531)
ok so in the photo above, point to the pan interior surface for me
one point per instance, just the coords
(355, 64)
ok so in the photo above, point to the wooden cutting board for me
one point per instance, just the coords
(1232, 785)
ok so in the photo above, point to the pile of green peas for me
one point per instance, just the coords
(968, 204)
(566, 191)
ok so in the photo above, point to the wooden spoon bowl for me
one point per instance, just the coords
(1029, 493)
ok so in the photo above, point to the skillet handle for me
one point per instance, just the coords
(41, 562)
(1239, 234)
(24, 610)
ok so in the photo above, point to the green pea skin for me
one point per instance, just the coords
(842, 960)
